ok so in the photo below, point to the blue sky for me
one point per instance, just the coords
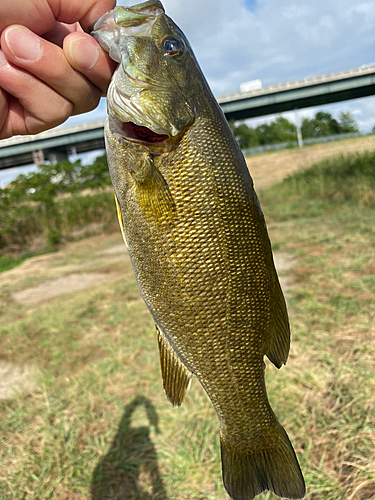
(250, 4)
(275, 41)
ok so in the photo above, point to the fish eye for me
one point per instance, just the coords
(172, 47)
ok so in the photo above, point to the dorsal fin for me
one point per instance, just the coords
(280, 332)
(176, 377)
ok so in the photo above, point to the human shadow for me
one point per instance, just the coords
(130, 470)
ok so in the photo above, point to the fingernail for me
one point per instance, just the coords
(23, 43)
(84, 52)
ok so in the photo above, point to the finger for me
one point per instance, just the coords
(79, 49)
(48, 63)
(40, 16)
(32, 106)
(60, 31)
(37, 15)
(92, 11)
(3, 109)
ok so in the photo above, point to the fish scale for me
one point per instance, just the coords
(198, 244)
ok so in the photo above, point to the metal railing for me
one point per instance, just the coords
(292, 144)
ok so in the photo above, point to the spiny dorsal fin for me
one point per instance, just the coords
(280, 332)
(176, 377)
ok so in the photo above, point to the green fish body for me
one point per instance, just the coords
(198, 243)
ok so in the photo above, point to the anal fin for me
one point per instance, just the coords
(176, 377)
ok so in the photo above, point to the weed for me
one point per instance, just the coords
(100, 427)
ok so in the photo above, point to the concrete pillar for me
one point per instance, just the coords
(298, 127)
(56, 156)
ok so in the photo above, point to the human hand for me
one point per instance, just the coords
(47, 78)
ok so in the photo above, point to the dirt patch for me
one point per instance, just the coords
(16, 378)
(120, 248)
(64, 285)
(271, 168)
(20, 378)
(35, 267)
(90, 229)
(284, 262)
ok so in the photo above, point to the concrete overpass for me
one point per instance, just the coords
(315, 91)
(52, 145)
(57, 143)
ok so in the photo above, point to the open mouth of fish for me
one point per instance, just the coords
(133, 132)
(108, 30)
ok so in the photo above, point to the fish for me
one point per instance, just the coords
(198, 243)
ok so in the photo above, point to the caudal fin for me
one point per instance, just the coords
(245, 475)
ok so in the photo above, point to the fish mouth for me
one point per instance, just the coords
(137, 20)
(137, 133)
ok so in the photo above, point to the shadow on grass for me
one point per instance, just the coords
(130, 469)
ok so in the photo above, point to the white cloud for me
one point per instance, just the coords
(277, 40)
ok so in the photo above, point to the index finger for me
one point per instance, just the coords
(40, 16)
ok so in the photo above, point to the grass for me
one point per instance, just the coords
(324, 187)
(8, 262)
(99, 426)
(27, 224)
(327, 390)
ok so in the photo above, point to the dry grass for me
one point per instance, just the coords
(98, 426)
(271, 168)
(327, 391)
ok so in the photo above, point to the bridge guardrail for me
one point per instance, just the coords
(291, 144)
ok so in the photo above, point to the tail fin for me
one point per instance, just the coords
(245, 475)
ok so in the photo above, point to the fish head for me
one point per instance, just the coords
(149, 99)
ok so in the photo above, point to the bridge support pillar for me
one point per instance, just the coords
(56, 156)
(38, 156)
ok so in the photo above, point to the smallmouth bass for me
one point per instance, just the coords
(198, 243)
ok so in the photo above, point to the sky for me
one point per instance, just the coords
(276, 41)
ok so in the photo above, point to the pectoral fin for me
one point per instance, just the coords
(152, 191)
(119, 216)
(176, 377)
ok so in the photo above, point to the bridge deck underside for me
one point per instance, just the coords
(288, 100)
(264, 102)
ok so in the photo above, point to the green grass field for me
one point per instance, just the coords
(97, 424)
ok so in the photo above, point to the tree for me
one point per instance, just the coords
(307, 128)
(280, 130)
(321, 125)
(347, 122)
(324, 124)
(246, 137)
